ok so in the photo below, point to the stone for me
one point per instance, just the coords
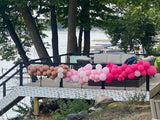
(92, 109)
(102, 99)
(77, 116)
(74, 116)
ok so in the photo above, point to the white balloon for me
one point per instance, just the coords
(82, 74)
(74, 78)
(85, 79)
(105, 70)
(137, 73)
(98, 66)
(60, 69)
(60, 75)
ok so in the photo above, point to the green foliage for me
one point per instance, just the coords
(137, 98)
(70, 106)
(134, 24)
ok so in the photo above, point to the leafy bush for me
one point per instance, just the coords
(70, 106)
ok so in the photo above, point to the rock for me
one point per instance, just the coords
(92, 109)
(102, 99)
(83, 113)
(74, 116)
(77, 116)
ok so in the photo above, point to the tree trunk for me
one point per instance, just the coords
(72, 40)
(16, 40)
(35, 35)
(54, 35)
(80, 40)
(86, 42)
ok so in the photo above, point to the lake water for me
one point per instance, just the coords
(5, 65)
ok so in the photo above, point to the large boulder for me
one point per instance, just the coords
(102, 99)
(77, 116)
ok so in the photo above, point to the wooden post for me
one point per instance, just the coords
(36, 106)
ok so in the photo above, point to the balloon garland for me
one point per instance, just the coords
(86, 73)
(52, 72)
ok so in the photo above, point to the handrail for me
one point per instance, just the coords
(9, 70)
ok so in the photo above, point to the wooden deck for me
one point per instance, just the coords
(154, 82)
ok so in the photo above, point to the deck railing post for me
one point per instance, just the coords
(21, 74)
(147, 82)
(102, 84)
(4, 89)
(61, 83)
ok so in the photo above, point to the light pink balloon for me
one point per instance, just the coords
(105, 70)
(102, 76)
(67, 79)
(81, 82)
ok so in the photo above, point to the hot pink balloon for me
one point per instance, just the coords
(108, 80)
(131, 75)
(140, 62)
(151, 71)
(143, 73)
(140, 67)
(128, 70)
(146, 65)
(124, 66)
(119, 70)
(124, 74)
(116, 76)
(109, 76)
(134, 67)
(114, 71)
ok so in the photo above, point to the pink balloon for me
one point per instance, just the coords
(137, 73)
(108, 80)
(114, 71)
(131, 75)
(134, 67)
(68, 74)
(140, 62)
(140, 67)
(89, 67)
(105, 70)
(102, 77)
(124, 66)
(124, 74)
(116, 76)
(67, 79)
(151, 71)
(88, 72)
(143, 73)
(92, 77)
(128, 70)
(109, 76)
(146, 65)
(119, 70)
(81, 82)
(97, 77)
